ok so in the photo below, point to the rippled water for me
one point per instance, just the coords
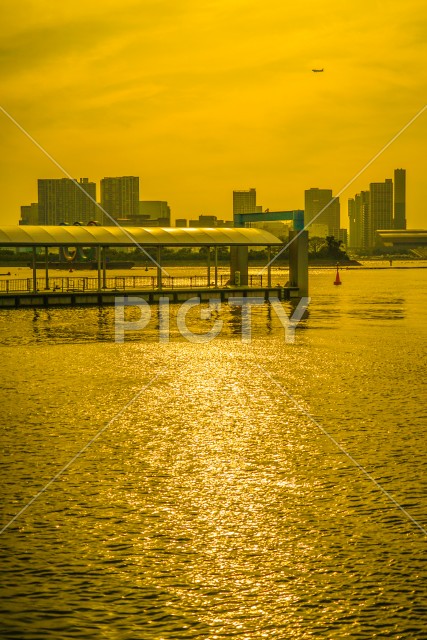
(214, 506)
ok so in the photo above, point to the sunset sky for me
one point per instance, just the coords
(202, 97)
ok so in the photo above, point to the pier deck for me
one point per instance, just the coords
(102, 298)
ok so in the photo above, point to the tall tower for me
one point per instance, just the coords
(61, 200)
(315, 200)
(380, 207)
(245, 202)
(120, 197)
(400, 198)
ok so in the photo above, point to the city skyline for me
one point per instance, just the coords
(231, 100)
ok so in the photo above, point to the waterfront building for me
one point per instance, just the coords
(321, 200)
(380, 208)
(30, 214)
(245, 202)
(62, 200)
(180, 222)
(155, 212)
(400, 199)
(120, 197)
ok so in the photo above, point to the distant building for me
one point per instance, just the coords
(245, 202)
(343, 236)
(380, 208)
(400, 199)
(318, 230)
(120, 198)
(30, 214)
(377, 209)
(322, 200)
(156, 211)
(204, 221)
(62, 200)
(180, 222)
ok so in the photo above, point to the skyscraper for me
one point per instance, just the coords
(370, 211)
(61, 200)
(380, 208)
(245, 202)
(400, 199)
(120, 197)
(316, 200)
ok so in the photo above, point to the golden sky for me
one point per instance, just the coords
(202, 97)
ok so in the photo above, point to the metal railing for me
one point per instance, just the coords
(120, 283)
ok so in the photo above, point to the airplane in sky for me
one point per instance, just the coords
(317, 70)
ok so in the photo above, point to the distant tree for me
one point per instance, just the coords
(315, 244)
(332, 250)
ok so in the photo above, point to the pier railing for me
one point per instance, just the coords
(120, 283)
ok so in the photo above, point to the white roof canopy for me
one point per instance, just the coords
(54, 236)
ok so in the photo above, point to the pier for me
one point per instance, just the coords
(103, 289)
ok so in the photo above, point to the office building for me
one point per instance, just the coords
(383, 207)
(155, 212)
(380, 208)
(321, 200)
(204, 221)
(120, 198)
(62, 200)
(30, 214)
(400, 199)
(245, 202)
(180, 222)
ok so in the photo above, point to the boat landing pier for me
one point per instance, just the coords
(102, 290)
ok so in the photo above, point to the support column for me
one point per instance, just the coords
(34, 269)
(98, 259)
(209, 266)
(159, 268)
(269, 266)
(298, 261)
(216, 267)
(239, 262)
(46, 267)
(104, 267)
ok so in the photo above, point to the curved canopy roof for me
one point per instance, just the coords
(54, 236)
(414, 237)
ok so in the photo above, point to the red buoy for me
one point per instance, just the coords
(337, 277)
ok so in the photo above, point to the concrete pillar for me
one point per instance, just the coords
(46, 267)
(34, 269)
(216, 267)
(209, 266)
(298, 261)
(159, 267)
(269, 266)
(98, 259)
(239, 262)
(104, 267)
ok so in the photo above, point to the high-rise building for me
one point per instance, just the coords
(245, 202)
(321, 200)
(120, 197)
(30, 214)
(370, 211)
(400, 199)
(62, 200)
(380, 207)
